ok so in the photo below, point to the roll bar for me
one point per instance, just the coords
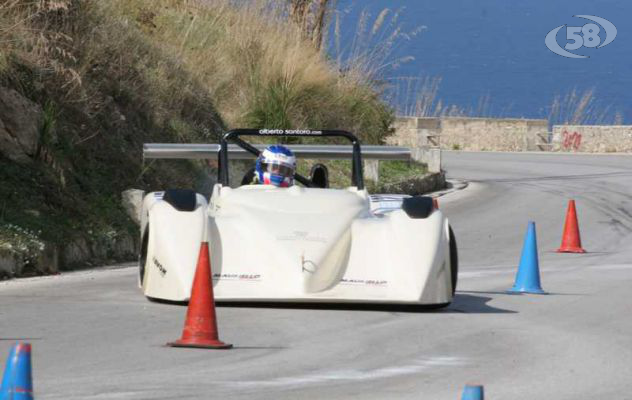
(235, 137)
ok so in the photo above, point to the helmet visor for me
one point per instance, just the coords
(278, 169)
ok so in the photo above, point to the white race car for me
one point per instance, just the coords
(305, 243)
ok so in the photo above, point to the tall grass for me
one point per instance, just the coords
(582, 108)
(420, 97)
(247, 61)
(370, 53)
(96, 66)
(259, 68)
(370, 57)
(112, 74)
(412, 96)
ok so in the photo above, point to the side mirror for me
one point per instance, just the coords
(319, 176)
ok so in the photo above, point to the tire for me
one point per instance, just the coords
(454, 260)
(142, 260)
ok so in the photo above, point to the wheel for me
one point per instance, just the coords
(454, 260)
(143, 256)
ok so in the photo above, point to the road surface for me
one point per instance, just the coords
(96, 337)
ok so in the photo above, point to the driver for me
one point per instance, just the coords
(275, 166)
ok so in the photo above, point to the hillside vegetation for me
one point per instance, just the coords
(83, 83)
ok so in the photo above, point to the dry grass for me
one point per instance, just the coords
(582, 108)
(88, 62)
(112, 74)
(257, 67)
(420, 97)
(371, 51)
(163, 54)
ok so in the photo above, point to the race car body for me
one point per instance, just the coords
(298, 244)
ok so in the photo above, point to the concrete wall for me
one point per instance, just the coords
(421, 135)
(592, 138)
(415, 132)
(499, 134)
(505, 134)
(494, 134)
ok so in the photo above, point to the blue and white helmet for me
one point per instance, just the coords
(275, 166)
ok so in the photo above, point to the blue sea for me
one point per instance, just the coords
(495, 49)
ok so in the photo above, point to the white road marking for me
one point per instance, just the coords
(483, 273)
(352, 374)
(611, 266)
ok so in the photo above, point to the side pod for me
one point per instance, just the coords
(172, 228)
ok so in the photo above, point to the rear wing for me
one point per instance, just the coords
(325, 152)
(243, 150)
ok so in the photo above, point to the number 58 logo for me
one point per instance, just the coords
(581, 36)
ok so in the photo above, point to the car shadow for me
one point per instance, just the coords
(475, 304)
(462, 303)
(509, 293)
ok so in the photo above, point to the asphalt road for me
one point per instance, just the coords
(95, 336)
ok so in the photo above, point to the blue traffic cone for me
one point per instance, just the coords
(473, 392)
(16, 381)
(528, 276)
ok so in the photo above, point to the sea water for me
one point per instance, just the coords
(494, 52)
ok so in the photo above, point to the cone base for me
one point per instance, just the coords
(202, 344)
(473, 393)
(526, 290)
(571, 250)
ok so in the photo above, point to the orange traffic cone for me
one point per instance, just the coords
(200, 327)
(571, 242)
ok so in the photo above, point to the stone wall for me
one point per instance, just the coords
(592, 138)
(77, 253)
(415, 132)
(501, 134)
(456, 133)
(421, 135)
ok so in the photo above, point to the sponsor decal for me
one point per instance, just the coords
(158, 265)
(289, 132)
(381, 204)
(308, 266)
(390, 204)
(365, 282)
(300, 236)
(237, 277)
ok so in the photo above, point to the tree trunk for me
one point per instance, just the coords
(299, 12)
(319, 23)
(310, 17)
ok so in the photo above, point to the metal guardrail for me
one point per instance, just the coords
(329, 152)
